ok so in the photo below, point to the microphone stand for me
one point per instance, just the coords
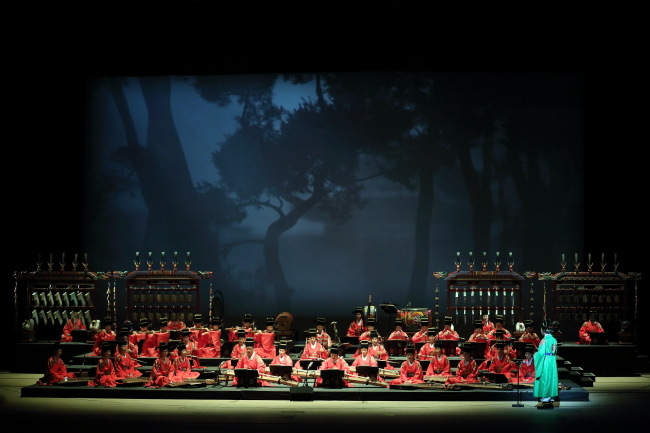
(518, 404)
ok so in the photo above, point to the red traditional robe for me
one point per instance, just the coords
(238, 351)
(493, 352)
(254, 362)
(447, 334)
(183, 370)
(398, 335)
(380, 351)
(264, 342)
(526, 372)
(55, 372)
(492, 335)
(409, 372)
(439, 367)
(324, 339)
(125, 366)
(134, 350)
(356, 329)
(366, 336)
(502, 365)
(176, 326)
(210, 344)
(465, 372)
(586, 328)
(420, 336)
(487, 327)
(195, 333)
(314, 351)
(161, 373)
(368, 360)
(427, 351)
(100, 337)
(530, 338)
(232, 335)
(149, 343)
(481, 337)
(329, 364)
(69, 327)
(104, 374)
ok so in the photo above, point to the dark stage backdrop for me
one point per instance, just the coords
(308, 193)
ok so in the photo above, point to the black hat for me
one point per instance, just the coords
(270, 321)
(500, 345)
(498, 319)
(122, 343)
(424, 321)
(180, 347)
(241, 333)
(247, 318)
(358, 310)
(336, 348)
(529, 348)
(185, 332)
(143, 322)
(363, 344)
(106, 321)
(216, 321)
(448, 320)
(410, 349)
(431, 333)
(478, 324)
(163, 346)
(312, 332)
(282, 345)
(320, 321)
(105, 346)
(124, 331)
(398, 321)
(56, 346)
(163, 321)
(374, 334)
(466, 348)
(371, 321)
(250, 342)
(528, 323)
(438, 344)
(198, 318)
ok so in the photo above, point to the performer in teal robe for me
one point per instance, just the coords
(546, 382)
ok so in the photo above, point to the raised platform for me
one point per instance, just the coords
(610, 360)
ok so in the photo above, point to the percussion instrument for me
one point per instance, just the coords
(283, 321)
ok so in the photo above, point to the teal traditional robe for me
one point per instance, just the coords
(546, 368)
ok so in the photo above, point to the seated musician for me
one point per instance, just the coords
(149, 342)
(429, 348)
(447, 332)
(265, 340)
(370, 328)
(529, 335)
(105, 371)
(283, 358)
(73, 323)
(500, 337)
(131, 349)
(479, 336)
(210, 342)
(498, 326)
(334, 362)
(423, 334)
(163, 368)
(253, 361)
(410, 371)
(191, 348)
(365, 358)
(182, 366)
(589, 326)
(246, 326)
(501, 363)
(56, 371)
(176, 324)
(161, 335)
(125, 365)
(398, 333)
(198, 328)
(357, 326)
(487, 325)
(439, 365)
(467, 370)
(527, 367)
(377, 350)
(313, 349)
(321, 336)
(105, 334)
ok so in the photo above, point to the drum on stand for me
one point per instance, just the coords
(412, 318)
(368, 312)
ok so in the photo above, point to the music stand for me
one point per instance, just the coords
(246, 377)
(389, 309)
(381, 363)
(280, 370)
(226, 348)
(520, 349)
(478, 349)
(424, 363)
(315, 364)
(367, 371)
(449, 347)
(395, 347)
(349, 340)
(79, 335)
(332, 378)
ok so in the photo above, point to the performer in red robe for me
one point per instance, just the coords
(253, 361)
(487, 325)
(321, 336)
(313, 349)
(365, 358)
(357, 327)
(131, 349)
(105, 371)
(439, 365)
(499, 327)
(334, 362)
(163, 369)
(502, 363)
(154, 340)
(182, 367)
(149, 341)
(283, 358)
(410, 371)
(428, 349)
(467, 370)
(423, 334)
(198, 329)
(125, 365)
(398, 333)
(529, 336)
(73, 323)
(377, 350)
(589, 326)
(479, 336)
(105, 334)
(210, 342)
(265, 340)
(56, 371)
(526, 367)
(370, 328)
(448, 333)
(176, 324)
(246, 326)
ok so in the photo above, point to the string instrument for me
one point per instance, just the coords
(190, 382)
(365, 381)
(531, 385)
(388, 373)
(73, 382)
(438, 379)
(276, 379)
(486, 385)
(306, 373)
(441, 386)
(132, 381)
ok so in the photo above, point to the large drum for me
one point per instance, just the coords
(412, 318)
(284, 321)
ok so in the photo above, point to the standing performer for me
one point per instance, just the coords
(125, 365)
(182, 367)
(210, 342)
(439, 365)
(265, 340)
(423, 334)
(163, 369)
(410, 371)
(546, 371)
(589, 326)
(56, 371)
(398, 334)
(105, 371)
(105, 334)
(357, 326)
(529, 335)
(467, 370)
(73, 323)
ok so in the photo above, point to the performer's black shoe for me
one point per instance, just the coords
(546, 405)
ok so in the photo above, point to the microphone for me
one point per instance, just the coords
(310, 364)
